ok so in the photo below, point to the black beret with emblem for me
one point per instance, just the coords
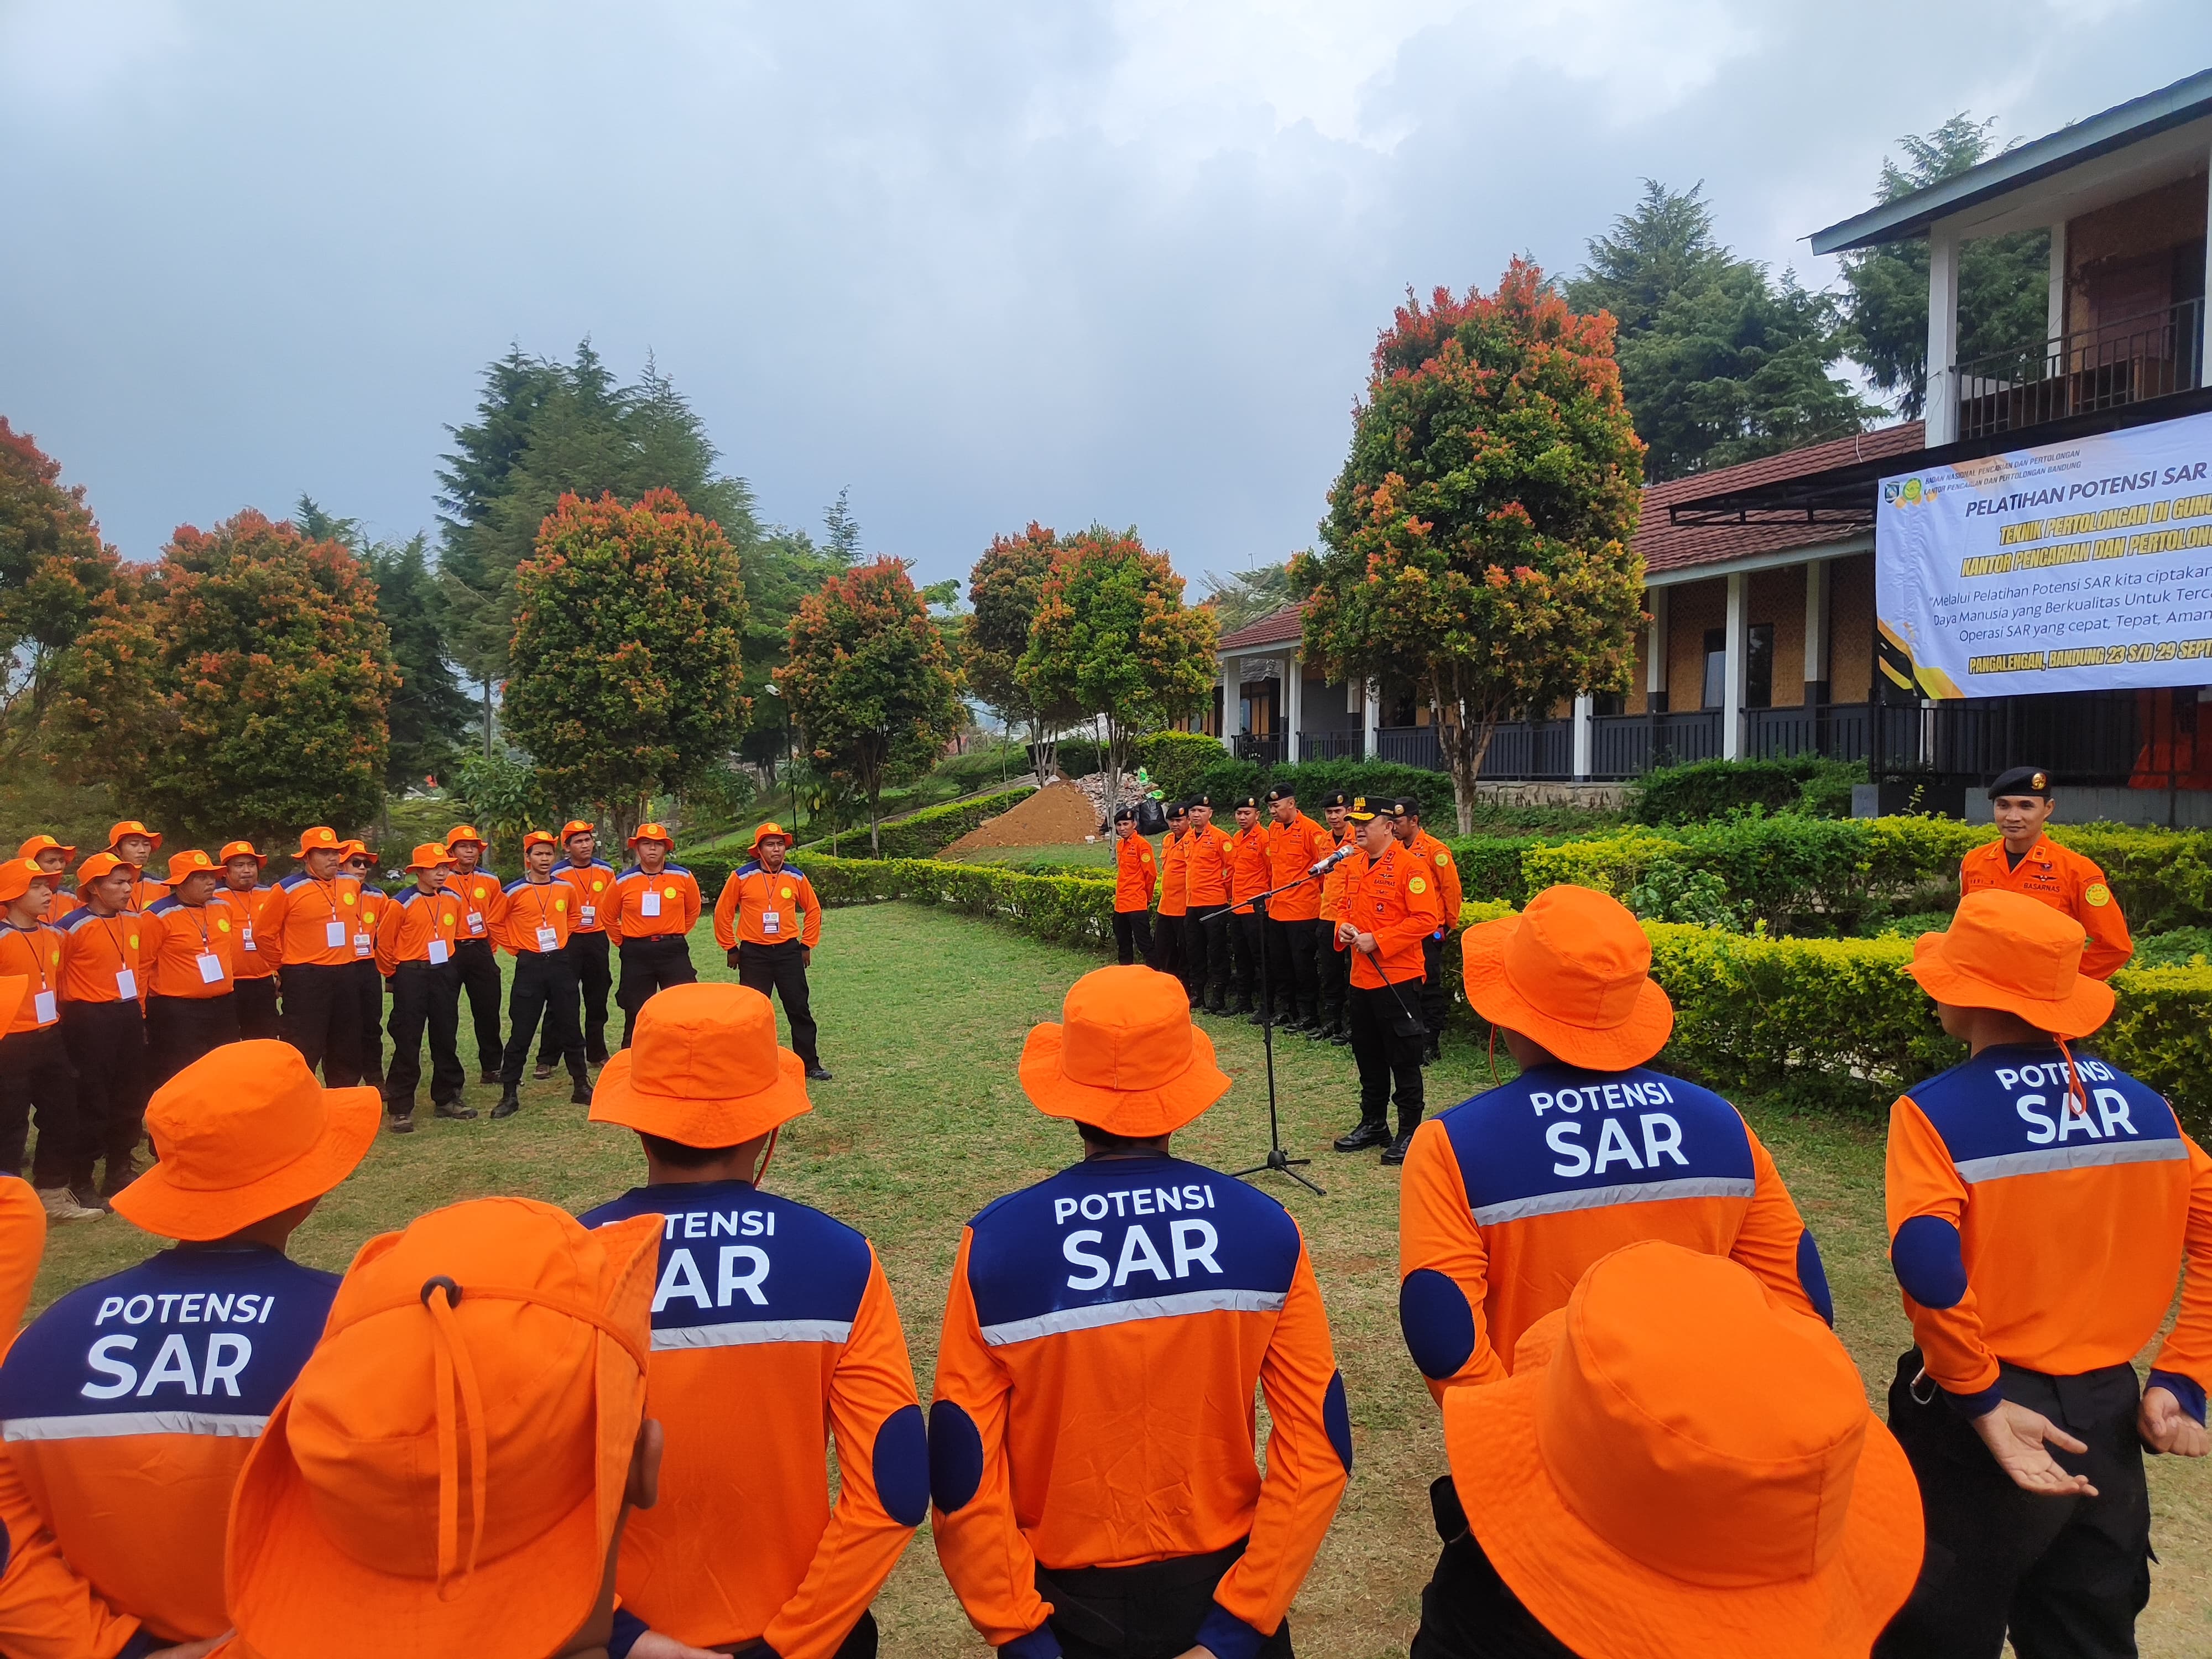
(1281, 792)
(1335, 797)
(2022, 781)
(1252, 801)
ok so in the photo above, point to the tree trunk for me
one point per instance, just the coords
(1041, 755)
(875, 845)
(1117, 748)
(486, 720)
(1465, 745)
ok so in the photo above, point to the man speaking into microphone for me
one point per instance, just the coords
(1390, 905)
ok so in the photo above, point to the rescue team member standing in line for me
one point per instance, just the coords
(452, 1472)
(2024, 860)
(53, 860)
(1678, 1468)
(1509, 1197)
(1295, 844)
(769, 922)
(313, 924)
(2040, 1204)
(132, 844)
(1390, 906)
(415, 950)
(766, 1310)
(368, 984)
(191, 946)
(535, 920)
(1333, 967)
(594, 879)
(1436, 1003)
(474, 955)
(1090, 1445)
(654, 907)
(35, 1072)
(253, 959)
(129, 1405)
(1169, 954)
(106, 956)
(1136, 874)
(1205, 924)
(1247, 879)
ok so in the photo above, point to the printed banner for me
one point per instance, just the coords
(2080, 566)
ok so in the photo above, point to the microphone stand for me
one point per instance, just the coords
(1277, 1160)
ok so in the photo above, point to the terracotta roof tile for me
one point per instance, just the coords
(1278, 627)
(1668, 546)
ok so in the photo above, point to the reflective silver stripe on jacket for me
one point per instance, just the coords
(2087, 1156)
(1598, 1198)
(745, 1333)
(1121, 1313)
(109, 1426)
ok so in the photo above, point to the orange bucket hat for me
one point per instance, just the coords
(38, 844)
(576, 827)
(1680, 1467)
(1573, 972)
(239, 849)
(767, 829)
(448, 1472)
(243, 1133)
(355, 849)
(1124, 1057)
(2006, 951)
(319, 836)
(130, 827)
(655, 832)
(703, 1069)
(16, 877)
(429, 855)
(191, 863)
(461, 832)
(99, 864)
(538, 838)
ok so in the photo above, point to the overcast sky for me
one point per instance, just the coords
(981, 261)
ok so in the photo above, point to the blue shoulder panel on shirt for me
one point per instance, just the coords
(161, 907)
(1557, 1140)
(739, 1265)
(1118, 1239)
(192, 1340)
(411, 894)
(2006, 1112)
(752, 868)
(294, 879)
(516, 886)
(790, 869)
(75, 920)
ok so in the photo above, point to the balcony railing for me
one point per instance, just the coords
(1333, 745)
(2090, 738)
(1409, 745)
(1267, 751)
(2126, 362)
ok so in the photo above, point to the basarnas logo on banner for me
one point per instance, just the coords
(1906, 492)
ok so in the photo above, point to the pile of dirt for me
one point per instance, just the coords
(1058, 815)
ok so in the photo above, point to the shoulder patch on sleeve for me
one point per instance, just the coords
(2097, 893)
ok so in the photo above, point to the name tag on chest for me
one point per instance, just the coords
(649, 904)
(440, 950)
(43, 1009)
(210, 967)
(476, 921)
(334, 934)
(587, 915)
(771, 921)
(126, 984)
(548, 939)
(364, 945)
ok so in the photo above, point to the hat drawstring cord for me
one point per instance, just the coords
(450, 1356)
(1494, 1054)
(760, 1169)
(2077, 1098)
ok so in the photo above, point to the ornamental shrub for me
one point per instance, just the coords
(1611, 864)
(1174, 760)
(925, 833)
(1700, 790)
(1490, 865)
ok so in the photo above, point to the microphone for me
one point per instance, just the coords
(1335, 858)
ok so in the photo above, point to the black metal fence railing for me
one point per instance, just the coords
(1410, 745)
(2124, 361)
(1837, 731)
(1333, 745)
(2082, 737)
(1267, 751)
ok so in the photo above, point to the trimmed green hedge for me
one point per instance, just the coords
(1063, 910)
(1174, 760)
(920, 835)
(1700, 790)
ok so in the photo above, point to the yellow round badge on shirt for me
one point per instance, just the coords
(596, 885)
(222, 924)
(1417, 885)
(2098, 893)
(451, 918)
(345, 898)
(787, 892)
(560, 904)
(134, 941)
(668, 893)
(1442, 858)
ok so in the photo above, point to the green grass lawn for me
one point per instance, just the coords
(922, 1018)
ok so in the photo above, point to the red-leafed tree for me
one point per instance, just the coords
(239, 689)
(871, 683)
(627, 665)
(1477, 541)
(1004, 591)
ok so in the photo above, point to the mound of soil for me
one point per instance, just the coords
(1058, 815)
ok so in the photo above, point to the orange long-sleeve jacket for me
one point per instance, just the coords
(61, 904)
(1175, 893)
(180, 937)
(773, 1331)
(248, 960)
(1394, 898)
(595, 893)
(1331, 908)
(374, 903)
(482, 898)
(1136, 874)
(22, 1247)
(417, 926)
(315, 923)
(103, 955)
(760, 908)
(1442, 869)
(1206, 867)
(1292, 849)
(2043, 1223)
(535, 917)
(1508, 1197)
(1248, 868)
(654, 907)
(1102, 1338)
(127, 1409)
(2062, 878)
(36, 954)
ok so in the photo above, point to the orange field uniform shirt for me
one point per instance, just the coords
(1206, 867)
(181, 939)
(1175, 892)
(654, 907)
(146, 892)
(2062, 878)
(96, 950)
(1508, 1198)
(418, 927)
(249, 933)
(482, 897)
(1248, 868)
(1136, 874)
(1394, 898)
(595, 893)
(535, 917)
(1331, 907)
(2045, 1232)
(1104, 1334)
(773, 1330)
(61, 904)
(1442, 870)
(315, 923)
(1292, 849)
(374, 903)
(36, 954)
(758, 908)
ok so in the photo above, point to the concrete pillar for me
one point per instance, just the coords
(1294, 703)
(1655, 650)
(1229, 722)
(1585, 734)
(1942, 334)
(1735, 666)
(2054, 309)
(1370, 719)
(1816, 632)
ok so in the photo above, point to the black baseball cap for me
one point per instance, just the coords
(1365, 809)
(2022, 781)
